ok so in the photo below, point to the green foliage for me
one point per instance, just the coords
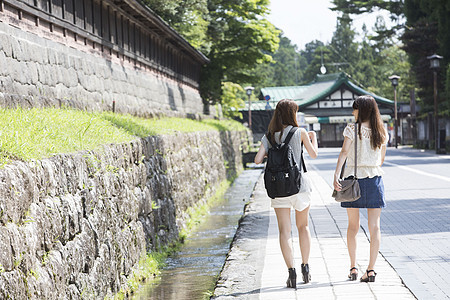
(240, 38)
(286, 68)
(384, 35)
(316, 62)
(232, 99)
(189, 18)
(360, 7)
(340, 55)
(310, 50)
(38, 133)
(393, 60)
(234, 35)
(426, 33)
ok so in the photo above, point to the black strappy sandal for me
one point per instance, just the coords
(353, 276)
(369, 278)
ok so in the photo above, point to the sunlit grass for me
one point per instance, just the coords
(38, 133)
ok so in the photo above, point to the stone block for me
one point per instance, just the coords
(90, 216)
(6, 254)
(13, 285)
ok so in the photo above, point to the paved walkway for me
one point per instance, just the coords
(255, 268)
(415, 224)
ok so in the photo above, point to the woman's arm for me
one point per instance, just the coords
(259, 157)
(383, 153)
(342, 157)
(309, 139)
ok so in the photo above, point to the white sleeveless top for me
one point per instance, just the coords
(369, 159)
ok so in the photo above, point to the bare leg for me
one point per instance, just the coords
(284, 228)
(352, 231)
(301, 220)
(375, 236)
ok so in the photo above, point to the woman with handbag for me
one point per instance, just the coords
(371, 138)
(283, 120)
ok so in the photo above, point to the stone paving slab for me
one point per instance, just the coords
(255, 268)
(415, 227)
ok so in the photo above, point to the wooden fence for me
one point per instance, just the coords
(127, 29)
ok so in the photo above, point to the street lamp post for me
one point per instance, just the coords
(394, 80)
(434, 65)
(249, 91)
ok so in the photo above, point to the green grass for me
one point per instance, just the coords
(27, 134)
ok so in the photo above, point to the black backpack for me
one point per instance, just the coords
(282, 176)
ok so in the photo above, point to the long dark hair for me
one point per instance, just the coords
(285, 114)
(368, 111)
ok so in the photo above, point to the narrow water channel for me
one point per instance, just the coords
(191, 273)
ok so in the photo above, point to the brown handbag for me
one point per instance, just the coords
(350, 187)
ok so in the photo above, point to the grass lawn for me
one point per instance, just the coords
(38, 133)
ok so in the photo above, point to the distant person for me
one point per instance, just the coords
(371, 150)
(283, 120)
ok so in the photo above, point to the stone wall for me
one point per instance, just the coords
(37, 71)
(73, 226)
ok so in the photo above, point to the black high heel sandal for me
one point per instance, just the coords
(305, 273)
(369, 278)
(292, 280)
(353, 276)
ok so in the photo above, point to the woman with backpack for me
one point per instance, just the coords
(284, 121)
(372, 138)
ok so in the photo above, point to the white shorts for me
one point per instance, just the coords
(298, 201)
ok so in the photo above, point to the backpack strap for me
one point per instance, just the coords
(303, 161)
(290, 134)
(269, 139)
(288, 139)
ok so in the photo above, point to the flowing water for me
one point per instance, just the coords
(191, 273)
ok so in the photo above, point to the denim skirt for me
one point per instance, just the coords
(372, 194)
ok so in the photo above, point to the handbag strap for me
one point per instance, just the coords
(356, 154)
(356, 148)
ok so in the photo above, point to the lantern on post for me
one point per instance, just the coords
(249, 91)
(394, 80)
(434, 65)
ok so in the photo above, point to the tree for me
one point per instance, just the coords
(427, 32)
(189, 18)
(234, 35)
(394, 60)
(343, 46)
(321, 53)
(395, 8)
(240, 38)
(232, 99)
(380, 40)
(365, 71)
(310, 48)
(286, 66)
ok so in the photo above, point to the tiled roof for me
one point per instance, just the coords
(306, 95)
(283, 92)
